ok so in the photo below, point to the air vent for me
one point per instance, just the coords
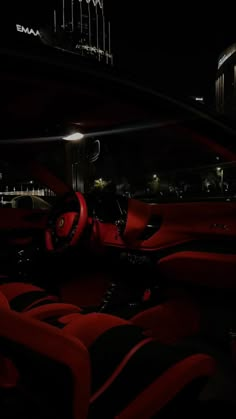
(153, 226)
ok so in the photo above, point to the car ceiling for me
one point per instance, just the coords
(36, 97)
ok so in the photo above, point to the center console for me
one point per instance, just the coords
(134, 287)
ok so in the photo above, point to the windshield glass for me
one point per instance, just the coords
(152, 147)
(173, 162)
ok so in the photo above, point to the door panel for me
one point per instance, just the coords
(202, 268)
(193, 242)
(20, 219)
(180, 223)
(19, 227)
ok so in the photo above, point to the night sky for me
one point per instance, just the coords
(166, 46)
(172, 46)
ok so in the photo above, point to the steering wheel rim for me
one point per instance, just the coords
(66, 222)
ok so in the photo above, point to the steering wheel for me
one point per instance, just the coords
(66, 222)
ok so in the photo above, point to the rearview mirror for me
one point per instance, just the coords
(94, 151)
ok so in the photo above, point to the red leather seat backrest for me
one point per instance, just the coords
(54, 366)
(89, 327)
(34, 301)
(22, 297)
(52, 310)
(14, 289)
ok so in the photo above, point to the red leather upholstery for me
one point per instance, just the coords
(170, 321)
(54, 369)
(160, 393)
(22, 297)
(167, 322)
(129, 370)
(131, 376)
(3, 301)
(89, 327)
(8, 372)
(14, 289)
(52, 310)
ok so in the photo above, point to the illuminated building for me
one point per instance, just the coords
(80, 26)
(226, 82)
(76, 26)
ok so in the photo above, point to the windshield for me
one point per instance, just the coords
(176, 161)
(152, 147)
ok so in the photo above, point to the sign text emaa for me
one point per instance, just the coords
(28, 31)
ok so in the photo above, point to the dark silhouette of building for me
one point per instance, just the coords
(226, 82)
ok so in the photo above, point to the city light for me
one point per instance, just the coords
(198, 99)
(74, 137)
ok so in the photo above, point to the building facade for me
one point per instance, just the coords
(226, 82)
(80, 26)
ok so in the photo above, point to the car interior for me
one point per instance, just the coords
(117, 281)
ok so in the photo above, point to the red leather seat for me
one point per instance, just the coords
(8, 372)
(3, 301)
(22, 297)
(147, 375)
(34, 301)
(54, 370)
(170, 321)
(132, 376)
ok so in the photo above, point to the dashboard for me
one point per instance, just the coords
(113, 210)
(194, 241)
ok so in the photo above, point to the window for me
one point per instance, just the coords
(18, 190)
(166, 164)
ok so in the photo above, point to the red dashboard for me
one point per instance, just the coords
(192, 242)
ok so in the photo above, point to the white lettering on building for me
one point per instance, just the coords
(93, 50)
(28, 31)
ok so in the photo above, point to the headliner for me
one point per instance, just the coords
(40, 96)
